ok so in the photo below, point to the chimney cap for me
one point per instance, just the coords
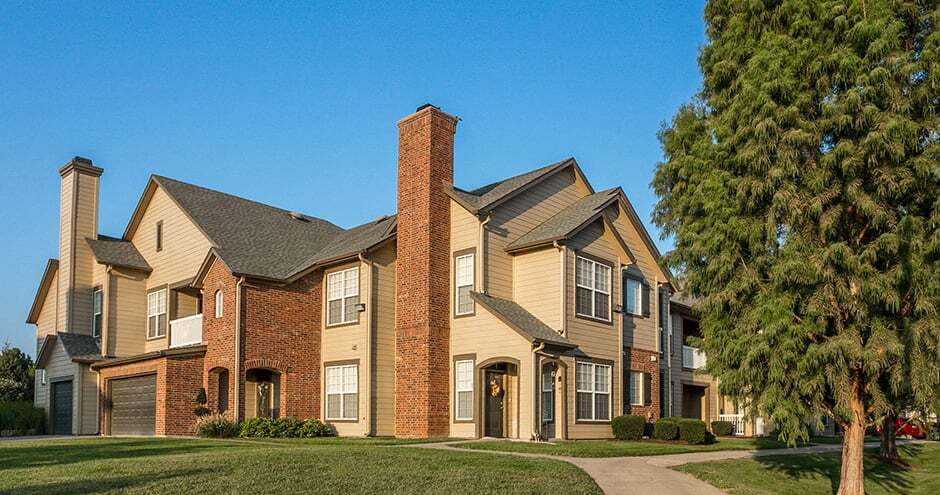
(427, 105)
(81, 164)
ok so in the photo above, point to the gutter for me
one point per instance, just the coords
(238, 346)
(369, 342)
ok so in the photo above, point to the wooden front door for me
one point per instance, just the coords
(494, 404)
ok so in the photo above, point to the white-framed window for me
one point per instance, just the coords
(41, 373)
(592, 294)
(342, 296)
(637, 388)
(156, 314)
(342, 392)
(219, 301)
(548, 395)
(593, 392)
(96, 310)
(463, 383)
(633, 296)
(463, 279)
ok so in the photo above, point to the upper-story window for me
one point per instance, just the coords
(97, 305)
(159, 236)
(342, 296)
(463, 280)
(219, 300)
(156, 314)
(592, 297)
(633, 296)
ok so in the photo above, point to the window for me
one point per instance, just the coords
(593, 386)
(637, 388)
(463, 381)
(342, 297)
(463, 278)
(592, 298)
(633, 296)
(159, 235)
(548, 395)
(219, 300)
(342, 392)
(98, 301)
(156, 314)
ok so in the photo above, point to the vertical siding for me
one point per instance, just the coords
(127, 319)
(383, 315)
(537, 284)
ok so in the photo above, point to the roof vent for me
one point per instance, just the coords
(296, 215)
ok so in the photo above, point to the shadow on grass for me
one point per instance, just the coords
(104, 485)
(39, 454)
(890, 477)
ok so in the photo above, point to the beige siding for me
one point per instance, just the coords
(66, 199)
(60, 367)
(383, 314)
(520, 215)
(537, 277)
(46, 321)
(344, 343)
(127, 308)
(78, 222)
(89, 399)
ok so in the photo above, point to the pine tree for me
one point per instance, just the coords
(801, 189)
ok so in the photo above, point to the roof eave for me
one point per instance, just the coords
(45, 283)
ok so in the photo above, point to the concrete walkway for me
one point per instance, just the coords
(651, 474)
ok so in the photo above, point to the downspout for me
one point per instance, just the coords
(238, 348)
(482, 243)
(369, 340)
(536, 416)
(563, 288)
(669, 350)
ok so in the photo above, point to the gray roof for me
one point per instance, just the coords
(353, 241)
(79, 346)
(566, 221)
(252, 238)
(117, 252)
(521, 320)
(482, 197)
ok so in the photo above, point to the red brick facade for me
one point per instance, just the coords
(219, 333)
(643, 360)
(422, 319)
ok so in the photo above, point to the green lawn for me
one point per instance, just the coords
(819, 473)
(153, 465)
(620, 448)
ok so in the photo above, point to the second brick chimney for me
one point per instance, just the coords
(422, 315)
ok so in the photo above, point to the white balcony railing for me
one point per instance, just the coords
(186, 331)
(737, 420)
(692, 357)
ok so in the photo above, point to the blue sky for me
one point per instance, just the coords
(295, 104)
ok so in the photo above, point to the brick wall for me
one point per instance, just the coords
(425, 162)
(640, 360)
(219, 333)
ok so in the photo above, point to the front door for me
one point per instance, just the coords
(494, 403)
(548, 401)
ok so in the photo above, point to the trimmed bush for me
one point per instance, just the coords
(628, 427)
(284, 428)
(21, 418)
(666, 429)
(723, 428)
(312, 428)
(216, 426)
(693, 431)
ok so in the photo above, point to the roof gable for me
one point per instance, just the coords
(45, 285)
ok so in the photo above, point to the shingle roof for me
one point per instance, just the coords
(354, 240)
(521, 320)
(482, 197)
(117, 252)
(565, 221)
(79, 346)
(252, 238)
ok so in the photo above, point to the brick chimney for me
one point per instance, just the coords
(78, 220)
(422, 315)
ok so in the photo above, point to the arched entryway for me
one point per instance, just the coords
(218, 389)
(262, 393)
(499, 401)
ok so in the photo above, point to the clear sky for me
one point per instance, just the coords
(295, 104)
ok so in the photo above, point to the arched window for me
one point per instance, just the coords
(223, 392)
(218, 303)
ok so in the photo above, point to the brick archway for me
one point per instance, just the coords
(270, 364)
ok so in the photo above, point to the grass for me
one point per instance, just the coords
(621, 448)
(819, 473)
(207, 467)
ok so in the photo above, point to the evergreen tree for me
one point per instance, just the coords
(16, 374)
(801, 188)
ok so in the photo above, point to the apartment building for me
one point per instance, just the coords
(532, 307)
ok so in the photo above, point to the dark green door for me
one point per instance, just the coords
(62, 408)
(495, 398)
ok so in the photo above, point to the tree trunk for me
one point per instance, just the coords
(889, 444)
(852, 480)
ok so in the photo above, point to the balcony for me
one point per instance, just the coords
(186, 331)
(692, 357)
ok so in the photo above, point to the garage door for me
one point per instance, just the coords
(133, 405)
(62, 408)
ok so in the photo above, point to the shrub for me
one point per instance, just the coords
(21, 418)
(314, 428)
(693, 431)
(216, 426)
(201, 411)
(723, 428)
(284, 428)
(666, 429)
(628, 427)
(257, 428)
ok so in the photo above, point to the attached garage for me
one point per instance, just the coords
(61, 408)
(133, 405)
